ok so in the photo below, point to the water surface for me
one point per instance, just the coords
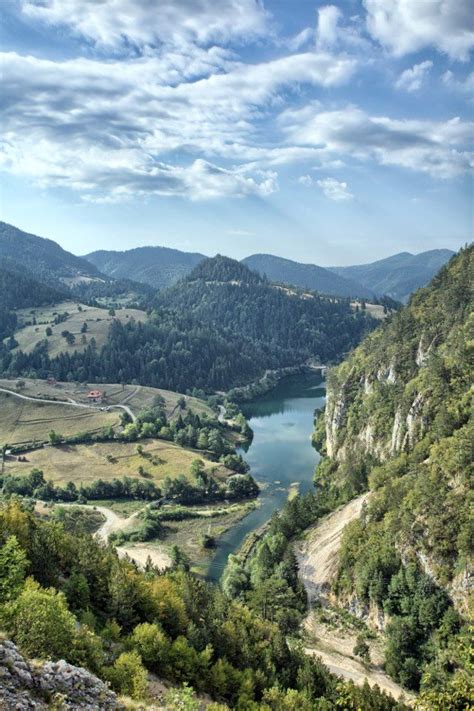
(280, 454)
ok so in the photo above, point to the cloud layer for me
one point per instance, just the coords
(161, 101)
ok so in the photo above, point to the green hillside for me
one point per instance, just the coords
(398, 421)
(222, 326)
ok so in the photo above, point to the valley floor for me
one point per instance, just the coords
(328, 633)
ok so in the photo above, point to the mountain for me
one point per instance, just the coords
(307, 276)
(397, 276)
(43, 258)
(220, 327)
(398, 422)
(158, 267)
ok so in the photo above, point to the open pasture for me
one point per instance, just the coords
(23, 420)
(97, 320)
(108, 460)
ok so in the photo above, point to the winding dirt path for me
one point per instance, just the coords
(327, 639)
(72, 403)
(138, 552)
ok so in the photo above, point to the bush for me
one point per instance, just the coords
(128, 675)
(40, 622)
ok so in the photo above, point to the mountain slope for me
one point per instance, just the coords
(221, 327)
(307, 276)
(158, 267)
(399, 275)
(399, 421)
(18, 289)
(43, 258)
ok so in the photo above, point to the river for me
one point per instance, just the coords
(280, 454)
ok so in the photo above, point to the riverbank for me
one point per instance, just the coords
(280, 456)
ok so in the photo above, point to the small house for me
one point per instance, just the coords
(95, 396)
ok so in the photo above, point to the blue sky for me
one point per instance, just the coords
(332, 133)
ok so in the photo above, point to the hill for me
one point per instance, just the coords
(397, 276)
(398, 421)
(158, 267)
(222, 326)
(307, 276)
(43, 258)
(52, 265)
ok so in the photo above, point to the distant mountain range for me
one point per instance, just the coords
(397, 276)
(307, 276)
(160, 267)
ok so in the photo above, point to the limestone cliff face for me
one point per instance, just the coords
(398, 420)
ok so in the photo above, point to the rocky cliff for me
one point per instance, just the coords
(25, 685)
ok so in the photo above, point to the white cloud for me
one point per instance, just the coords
(332, 32)
(327, 30)
(463, 86)
(438, 148)
(413, 79)
(405, 26)
(334, 190)
(147, 22)
(85, 122)
(306, 180)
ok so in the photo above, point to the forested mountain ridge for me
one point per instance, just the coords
(158, 267)
(398, 421)
(50, 264)
(307, 276)
(221, 327)
(397, 276)
(45, 259)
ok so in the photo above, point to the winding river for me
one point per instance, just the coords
(280, 455)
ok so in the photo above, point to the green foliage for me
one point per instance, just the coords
(40, 622)
(172, 624)
(13, 566)
(128, 675)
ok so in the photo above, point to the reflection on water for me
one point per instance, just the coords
(280, 454)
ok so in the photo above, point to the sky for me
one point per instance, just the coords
(331, 133)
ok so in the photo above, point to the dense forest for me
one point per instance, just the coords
(222, 326)
(65, 595)
(398, 422)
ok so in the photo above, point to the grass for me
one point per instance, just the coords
(24, 421)
(137, 397)
(98, 323)
(188, 534)
(85, 463)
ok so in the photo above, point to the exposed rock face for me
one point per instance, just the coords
(24, 686)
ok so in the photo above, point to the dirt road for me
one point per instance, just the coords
(72, 403)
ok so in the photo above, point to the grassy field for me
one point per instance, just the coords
(137, 397)
(86, 463)
(98, 323)
(24, 421)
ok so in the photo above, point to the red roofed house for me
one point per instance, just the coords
(95, 396)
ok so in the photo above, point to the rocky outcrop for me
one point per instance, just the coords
(25, 686)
